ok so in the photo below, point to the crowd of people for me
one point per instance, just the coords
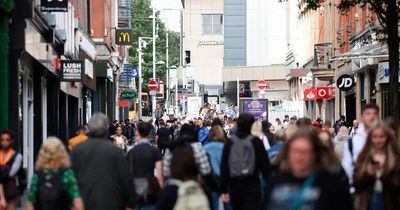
(213, 163)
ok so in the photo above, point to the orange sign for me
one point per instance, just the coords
(123, 103)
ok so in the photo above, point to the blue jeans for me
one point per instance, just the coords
(215, 202)
(376, 202)
(144, 207)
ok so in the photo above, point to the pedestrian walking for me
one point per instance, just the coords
(369, 116)
(353, 129)
(243, 160)
(328, 127)
(256, 130)
(377, 171)
(266, 127)
(120, 140)
(340, 140)
(113, 128)
(182, 191)
(203, 131)
(128, 131)
(80, 137)
(214, 149)
(144, 160)
(10, 164)
(163, 137)
(303, 180)
(102, 170)
(54, 185)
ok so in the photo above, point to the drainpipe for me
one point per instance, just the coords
(5, 8)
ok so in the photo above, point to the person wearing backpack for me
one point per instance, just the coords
(53, 185)
(243, 160)
(143, 160)
(182, 191)
(10, 164)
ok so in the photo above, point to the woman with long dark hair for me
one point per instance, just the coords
(377, 171)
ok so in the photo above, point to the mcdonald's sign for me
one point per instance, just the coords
(123, 36)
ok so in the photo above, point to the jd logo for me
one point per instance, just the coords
(345, 82)
(123, 37)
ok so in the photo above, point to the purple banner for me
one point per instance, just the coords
(258, 108)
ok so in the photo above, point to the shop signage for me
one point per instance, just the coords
(54, 5)
(345, 82)
(123, 36)
(310, 94)
(128, 95)
(257, 108)
(123, 103)
(383, 73)
(72, 71)
(323, 93)
(130, 70)
(210, 43)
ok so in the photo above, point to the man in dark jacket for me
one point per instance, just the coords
(244, 191)
(102, 171)
(128, 131)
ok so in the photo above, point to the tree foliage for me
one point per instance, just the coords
(142, 26)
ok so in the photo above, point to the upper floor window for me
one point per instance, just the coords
(213, 24)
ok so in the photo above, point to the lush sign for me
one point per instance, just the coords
(72, 71)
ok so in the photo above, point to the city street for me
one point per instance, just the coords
(199, 105)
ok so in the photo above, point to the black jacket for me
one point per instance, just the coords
(103, 176)
(262, 164)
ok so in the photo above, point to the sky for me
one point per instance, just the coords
(170, 17)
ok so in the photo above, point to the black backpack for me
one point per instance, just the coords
(51, 194)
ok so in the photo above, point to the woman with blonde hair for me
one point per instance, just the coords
(377, 171)
(256, 130)
(54, 185)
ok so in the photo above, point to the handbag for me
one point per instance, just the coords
(145, 187)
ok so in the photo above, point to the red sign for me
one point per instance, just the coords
(261, 84)
(123, 103)
(153, 85)
(323, 93)
(310, 94)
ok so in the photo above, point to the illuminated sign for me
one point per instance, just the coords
(123, 37)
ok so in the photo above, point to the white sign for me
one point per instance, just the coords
(89, 68)
(193, 106)
(153, 93)
(210, 43)
(383, 73)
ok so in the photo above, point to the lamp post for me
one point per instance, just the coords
(153, 104)
(140, 45)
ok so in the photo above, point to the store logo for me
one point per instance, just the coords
(310, 94)
(345, 82)
(72, 71)
(323, 92)
(54, 5)
(124, 37)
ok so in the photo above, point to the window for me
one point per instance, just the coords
(212, 24)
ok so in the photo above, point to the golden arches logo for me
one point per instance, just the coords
(124, 37)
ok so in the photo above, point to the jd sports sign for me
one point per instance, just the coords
(345, 82)
(54, 5)
(123, 36)
(72, 71)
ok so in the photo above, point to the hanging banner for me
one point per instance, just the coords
(72, 71)
(54, 5)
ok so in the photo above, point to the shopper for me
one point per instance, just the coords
(369, 116)
(10, 164)
(128, 131)
(340, 140)
(101, 170)
(144, 160)
(377, 171)
(353, 129)
(79, 138)
(243, 160)
(266, 127)
(120, 140)
(163, 137)
(214, 149)
(203, 131)
(328, 127)
(256, 130)
(304, 180)
(182, 191)
(54, 185)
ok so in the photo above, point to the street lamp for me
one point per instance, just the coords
(141, 44)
